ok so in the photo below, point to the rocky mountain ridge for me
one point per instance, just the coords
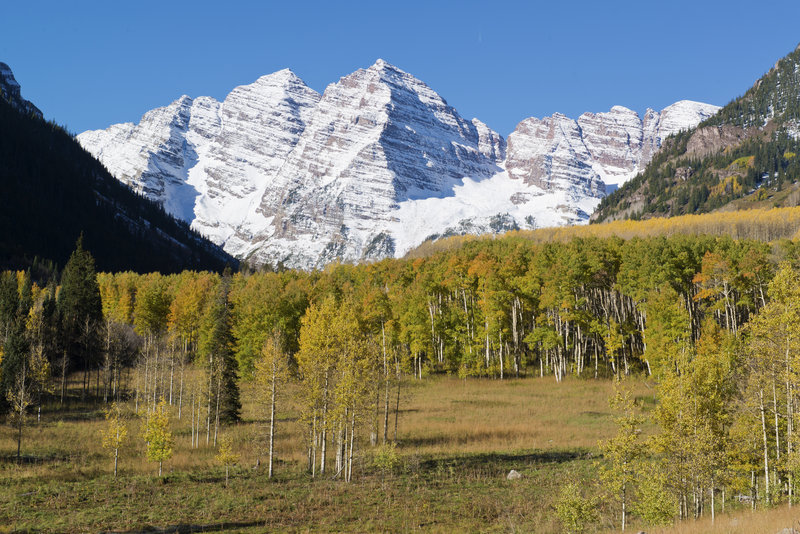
(372, 167)
(10, 91)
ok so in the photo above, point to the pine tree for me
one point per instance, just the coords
(217, 346)
(80, 310)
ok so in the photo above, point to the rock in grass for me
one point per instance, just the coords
(514, 475)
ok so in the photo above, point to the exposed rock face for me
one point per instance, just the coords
(550, 153)
(710, 139)
(371, 168)
(10, 91)
(209, 162)
(597, 148)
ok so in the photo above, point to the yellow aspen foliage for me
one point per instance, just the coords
(158, 436)
(114, 433)
(225, 455)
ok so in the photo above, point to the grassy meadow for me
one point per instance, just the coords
(456, 441)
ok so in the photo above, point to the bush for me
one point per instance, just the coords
(574, 511)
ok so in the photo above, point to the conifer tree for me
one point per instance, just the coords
(80, 310)
(217, 346)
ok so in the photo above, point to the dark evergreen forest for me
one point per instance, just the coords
(53, 191)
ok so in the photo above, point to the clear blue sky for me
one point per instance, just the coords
(90, 64)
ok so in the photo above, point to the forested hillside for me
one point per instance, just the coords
(53, 191)
(745, 156)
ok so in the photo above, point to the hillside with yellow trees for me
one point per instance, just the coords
(765, 225)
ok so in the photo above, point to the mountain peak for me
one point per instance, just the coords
(281, 77)
(621, 109)
(10, 92)
(381, 65)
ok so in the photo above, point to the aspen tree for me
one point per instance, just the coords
(157, 435)
(225, 455)
(115, 432)
(623, 450)
(272, 371)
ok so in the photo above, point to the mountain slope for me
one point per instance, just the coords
(377, 164)
(53, 190)
(744, 156)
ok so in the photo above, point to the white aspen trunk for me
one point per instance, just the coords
(501, 356)
(324, 444)
(340, 444)
(352, 441)
(766, 450)
(216, 411)
(397, 405)
(712, 501)
(146, 375)
(192, 423)
(789, 420)
(180, 392)
(386, 387)
(155, 379)
(272, 421)
(171, 373)
(486, 326)
(314, 447)
(777, 431)
(210, 387)
(624, 516)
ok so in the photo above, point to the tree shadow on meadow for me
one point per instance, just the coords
(503, 461)
(184, 529)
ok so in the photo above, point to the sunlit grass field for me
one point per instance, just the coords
(457, 440)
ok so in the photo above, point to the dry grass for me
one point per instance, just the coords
(770, 521)
(457, 439)
(456, 416)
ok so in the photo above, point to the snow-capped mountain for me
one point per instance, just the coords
(610, 147)
(371, 168)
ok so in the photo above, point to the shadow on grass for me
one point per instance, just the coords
(28, 459)
(504, 460)
(181, 529)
